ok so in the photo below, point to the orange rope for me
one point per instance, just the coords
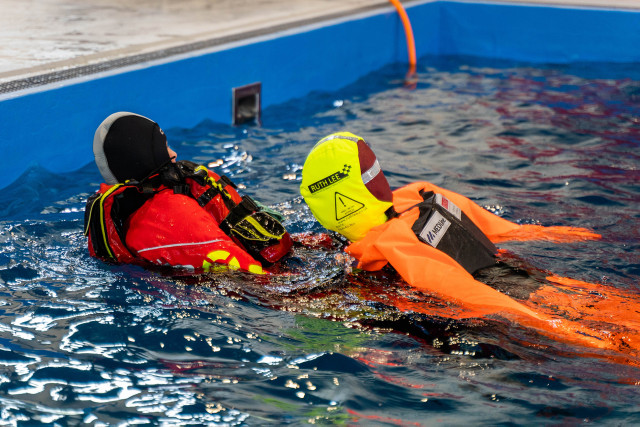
(411, 46)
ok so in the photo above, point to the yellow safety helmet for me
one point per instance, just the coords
(344, 186)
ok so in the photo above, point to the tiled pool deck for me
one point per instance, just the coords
(52, 35)
(49, 36)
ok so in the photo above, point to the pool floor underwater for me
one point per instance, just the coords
(320, 343)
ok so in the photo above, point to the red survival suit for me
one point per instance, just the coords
(151, 223)
(428, 268)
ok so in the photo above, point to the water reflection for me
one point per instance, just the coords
(317, 342)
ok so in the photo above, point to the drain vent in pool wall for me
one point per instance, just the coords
(246, 104)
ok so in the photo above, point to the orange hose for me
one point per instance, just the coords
(411, 46)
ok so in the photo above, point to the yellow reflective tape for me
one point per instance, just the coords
(213, 257)
(246, 233)
(261, 229)
(218, 255)
(256, 269)
(102, 223)
(86, 230)
(234, 264)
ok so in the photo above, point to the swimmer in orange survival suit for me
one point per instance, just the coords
(154, 210)
(436, 239)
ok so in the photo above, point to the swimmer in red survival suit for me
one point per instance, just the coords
(436, 239)
(155, 211)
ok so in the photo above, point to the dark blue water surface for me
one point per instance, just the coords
(86, 342)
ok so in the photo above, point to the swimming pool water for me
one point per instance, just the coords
(83, 341)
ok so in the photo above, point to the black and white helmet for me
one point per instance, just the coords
(129, 146)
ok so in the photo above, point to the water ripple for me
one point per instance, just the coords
(319, 342)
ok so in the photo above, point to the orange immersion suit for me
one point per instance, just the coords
(426, 268)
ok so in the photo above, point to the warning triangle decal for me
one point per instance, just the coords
(345, 206)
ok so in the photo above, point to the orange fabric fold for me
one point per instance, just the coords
(614, 312)
(497, 229)
(427, 268)
(556, 234)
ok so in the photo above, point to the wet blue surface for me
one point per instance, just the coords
(83, 341)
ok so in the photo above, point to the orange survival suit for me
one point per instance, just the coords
(430, 269)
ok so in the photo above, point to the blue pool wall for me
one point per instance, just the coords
(52, 126)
